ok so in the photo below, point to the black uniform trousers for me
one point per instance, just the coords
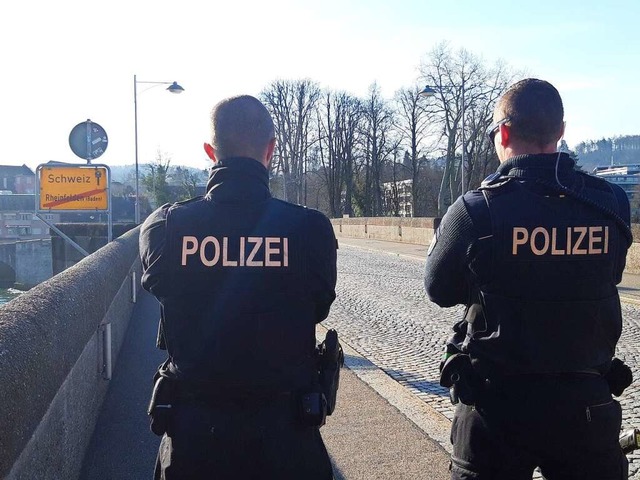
(241, 440)
(568, 425)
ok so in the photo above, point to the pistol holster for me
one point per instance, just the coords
(459, 377)
(330, 360)
(162, 401)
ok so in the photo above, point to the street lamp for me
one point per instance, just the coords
(173, 88)
(430, 91)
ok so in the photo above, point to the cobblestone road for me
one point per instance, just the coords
(383, 312)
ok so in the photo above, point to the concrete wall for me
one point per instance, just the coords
(89, 236)
(33, 262)
(420, 231)
(394, 229)
(51, 361)
(25, 263)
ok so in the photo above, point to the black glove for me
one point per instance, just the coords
(618, 377)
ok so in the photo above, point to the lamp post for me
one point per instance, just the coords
(173, 88)
(430, 91)
(613, 145)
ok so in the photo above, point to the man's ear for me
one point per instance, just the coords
(269, 154)
(505, 135)
(210, 152)
(564, 126)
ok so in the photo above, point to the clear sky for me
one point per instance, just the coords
(67, 61)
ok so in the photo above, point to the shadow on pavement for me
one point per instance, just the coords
(407, 379)
(122, 446)
(418, 381)
(337, 473)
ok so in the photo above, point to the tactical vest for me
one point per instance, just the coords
(547, 299)
(240, 314)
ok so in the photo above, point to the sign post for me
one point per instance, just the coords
(65, 187)
(69, 187)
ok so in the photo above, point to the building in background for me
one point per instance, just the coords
(628, 178)
(398, 198)
(20, 180)
(18, 220)
(17, 205)
(625, 176)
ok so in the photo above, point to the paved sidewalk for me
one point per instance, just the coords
(378, 428)
(367, 437)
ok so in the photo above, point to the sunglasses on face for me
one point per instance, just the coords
(494, 127)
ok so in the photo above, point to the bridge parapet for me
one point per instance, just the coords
(420, 231)
(51, 360)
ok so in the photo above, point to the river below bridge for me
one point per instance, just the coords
(8, 294)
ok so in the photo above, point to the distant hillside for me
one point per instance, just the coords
(119, 173)
(622, 150)
(127, 173)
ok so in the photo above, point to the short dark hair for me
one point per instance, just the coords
(241, 126)
(535, 110)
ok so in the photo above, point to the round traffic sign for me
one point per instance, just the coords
(88, 140)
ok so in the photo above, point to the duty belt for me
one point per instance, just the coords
(220, 395)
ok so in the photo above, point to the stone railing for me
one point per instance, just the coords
(392, 229)
(54, 360)
(420, 231)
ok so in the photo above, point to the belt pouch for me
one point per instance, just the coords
(161, 405)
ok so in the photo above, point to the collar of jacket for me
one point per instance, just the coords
(238, 180)
(542, 165)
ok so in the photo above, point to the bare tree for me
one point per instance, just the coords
(188, 180)
(443, 73)
(377, 130)
(415, 123)
(291, 104)
(430, 177)
(317, 192)
(480, 155)
(396, 177)
(338, 117)
(155, 180)
(462, 84)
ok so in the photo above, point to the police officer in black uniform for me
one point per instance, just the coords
(242, 279)
(535, 254)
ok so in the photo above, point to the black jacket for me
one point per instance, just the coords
(536, 265)
(242, 278)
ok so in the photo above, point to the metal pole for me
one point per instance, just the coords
(612, 147)
(109, 226)
(462, 158)
(88, 158)
(107, 360)
(304, 167)
(134, 288)
(135, 122)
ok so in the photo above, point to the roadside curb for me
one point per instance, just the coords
(627, 299)
(395, 254)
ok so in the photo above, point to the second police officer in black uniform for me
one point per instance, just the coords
(242, 279)
(535, 254)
